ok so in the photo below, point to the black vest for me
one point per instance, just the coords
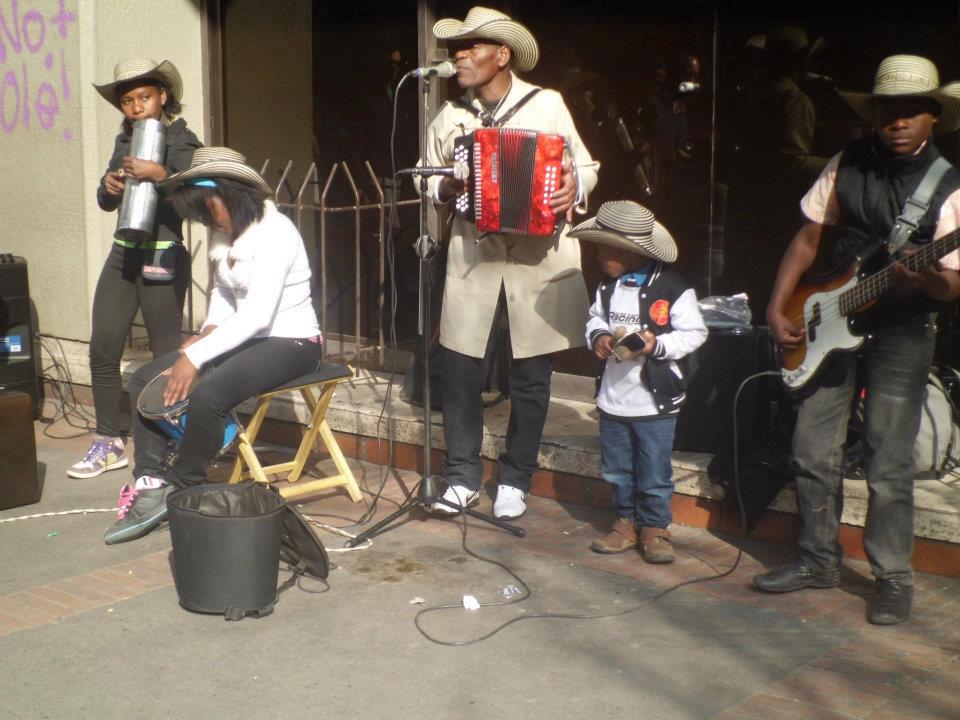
(872, 187)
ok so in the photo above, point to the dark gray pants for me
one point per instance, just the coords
(896, 361)
(121, 291)
(463, 381)
(256, 366)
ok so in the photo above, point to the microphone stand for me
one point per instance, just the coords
(426, 249)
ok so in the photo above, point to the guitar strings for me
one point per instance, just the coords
(877, 283)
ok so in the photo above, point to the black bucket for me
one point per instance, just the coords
(226, 548)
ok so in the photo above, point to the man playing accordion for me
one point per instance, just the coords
(537, 279)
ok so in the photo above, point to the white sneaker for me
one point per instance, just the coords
(460, 496)
(509, 504)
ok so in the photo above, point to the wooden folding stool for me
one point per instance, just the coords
(317, 390)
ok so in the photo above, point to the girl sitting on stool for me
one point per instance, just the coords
(261, 330)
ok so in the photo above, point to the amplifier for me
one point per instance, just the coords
(726, 358)
(18, 357)
(19, 479)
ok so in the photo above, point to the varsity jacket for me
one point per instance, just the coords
(666, 306)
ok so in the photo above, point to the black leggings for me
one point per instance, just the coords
(122, 290)
(256, 366)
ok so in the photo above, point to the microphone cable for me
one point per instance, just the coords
(392, 223)
(526, 592)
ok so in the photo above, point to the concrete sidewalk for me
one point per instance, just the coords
(90, 631)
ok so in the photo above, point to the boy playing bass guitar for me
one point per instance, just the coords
(862, 191)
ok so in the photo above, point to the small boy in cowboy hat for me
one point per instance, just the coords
(151, 275)
(644, 322)
(861, 192)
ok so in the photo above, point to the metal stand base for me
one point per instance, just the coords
(426, 249)
(425, 504)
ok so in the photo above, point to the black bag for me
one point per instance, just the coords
(413, 380)
(301, 549)
(228, 541)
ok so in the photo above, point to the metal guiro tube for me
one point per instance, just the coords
(138, 209)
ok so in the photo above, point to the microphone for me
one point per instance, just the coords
(823, 79)
(688, 87)
(623, 134)
(444, 69)
(458, 171)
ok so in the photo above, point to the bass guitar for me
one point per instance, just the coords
(825, 310)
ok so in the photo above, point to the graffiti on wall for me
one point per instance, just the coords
(35, 82)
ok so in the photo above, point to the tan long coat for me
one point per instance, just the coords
(546, 297)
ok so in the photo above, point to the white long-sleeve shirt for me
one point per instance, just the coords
(265, 294)
(622, 391)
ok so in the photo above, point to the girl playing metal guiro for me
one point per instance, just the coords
(150, 274)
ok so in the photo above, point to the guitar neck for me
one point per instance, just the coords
(873, 286)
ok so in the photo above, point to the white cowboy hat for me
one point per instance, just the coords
(630, 226)
(126, 71)
(210, 163)
(910, 76)
(482, 22)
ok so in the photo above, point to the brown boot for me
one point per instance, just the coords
(623, 537)
(656, 545)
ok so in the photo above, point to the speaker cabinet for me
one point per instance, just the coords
(18, 361)
(19, 480)
(721, 364)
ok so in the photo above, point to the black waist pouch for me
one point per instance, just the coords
(160, 264)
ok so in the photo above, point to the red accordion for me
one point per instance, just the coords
(513, 173)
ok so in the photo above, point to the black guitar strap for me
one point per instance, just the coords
(488, 120)
(916, 206)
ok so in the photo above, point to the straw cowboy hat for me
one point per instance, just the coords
(210, 163)
(483, 22)
(629, 226)
(142, 69)
(910, 76)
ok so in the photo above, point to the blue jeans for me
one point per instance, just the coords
(635, 459)
(895, 361)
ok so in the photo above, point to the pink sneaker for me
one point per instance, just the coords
(127, 496)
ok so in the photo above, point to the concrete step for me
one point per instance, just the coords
(368, 413)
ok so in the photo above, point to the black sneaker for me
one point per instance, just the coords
(892, 604)
(801, 573)
(140, 514)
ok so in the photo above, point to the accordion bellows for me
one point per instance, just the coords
(513, 173)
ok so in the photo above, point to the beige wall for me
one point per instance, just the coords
(268, 95)
(52, 157)
(268, 90)
(41, 157)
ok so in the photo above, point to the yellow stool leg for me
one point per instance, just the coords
(245, 439)
(318, 409)
(318, 427)
(333, 447)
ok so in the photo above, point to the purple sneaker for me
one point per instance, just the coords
(104, 454)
